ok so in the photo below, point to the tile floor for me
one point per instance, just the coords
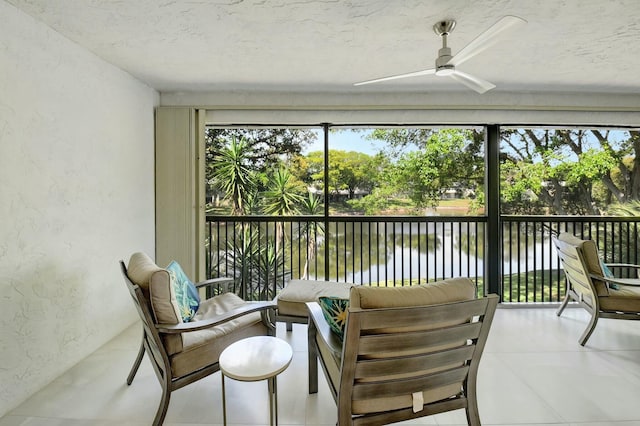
(533, 372)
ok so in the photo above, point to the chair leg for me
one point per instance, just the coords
(471, 410)
(164, 405)
(313, 358)
(564, 303)
(136, 363)
(473, 417)
(587, 332)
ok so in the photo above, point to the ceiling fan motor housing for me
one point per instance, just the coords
(443, 29)
(442, 62)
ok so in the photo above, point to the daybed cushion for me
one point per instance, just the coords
(291, 300)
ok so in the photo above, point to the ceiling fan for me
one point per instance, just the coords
(446, 64)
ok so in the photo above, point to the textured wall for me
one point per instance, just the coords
(76, 195)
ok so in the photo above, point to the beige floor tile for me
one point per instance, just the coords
(533, 372)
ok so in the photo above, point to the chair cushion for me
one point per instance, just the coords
(186, 293)
(335, 311)
(163, 298)
(625, 298)
(165, 307)
(444, 291)
(156, 286)
(291, 300)
(591, 258)
(203, 347)
(140, 269)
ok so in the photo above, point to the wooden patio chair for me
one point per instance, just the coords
(587, 284)
(407, 352)
(184, 352)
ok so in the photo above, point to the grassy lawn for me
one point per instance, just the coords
(517, 288)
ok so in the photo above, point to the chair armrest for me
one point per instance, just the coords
(617, 281)
(248, 308)
(631, 266)
(221, 284)
(622, 265)
(322, 327)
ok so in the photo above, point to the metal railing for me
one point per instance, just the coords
(530, 267)
(263, 253)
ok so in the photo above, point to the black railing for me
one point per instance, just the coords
(263, 253)
(530, 266)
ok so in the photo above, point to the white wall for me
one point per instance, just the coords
(76, 195)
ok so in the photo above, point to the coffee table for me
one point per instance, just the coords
(253, 359)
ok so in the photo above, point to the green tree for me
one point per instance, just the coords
(566, 171)
(282, 198)
(284, 193)
(310, 231)
(348, 170)
(266, 146)
(428, 163)
(263, 149)
(230, 171)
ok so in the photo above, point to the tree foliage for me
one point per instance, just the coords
(348, 170)
(543, 171)
(567, 171)
(231, 172)
(428, 163)
(240, 161)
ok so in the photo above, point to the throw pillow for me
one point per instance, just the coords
(335, 312)
(186, 292)
(605, 269)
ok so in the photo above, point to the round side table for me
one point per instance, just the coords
(253, 359)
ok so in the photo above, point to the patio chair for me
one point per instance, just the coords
(407, 352)
(602, 295)
(183, 352)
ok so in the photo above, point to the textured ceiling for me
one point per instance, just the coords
(327, 45)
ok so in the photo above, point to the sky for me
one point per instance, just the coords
(344, 140)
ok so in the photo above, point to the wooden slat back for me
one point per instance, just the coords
(410, 364)
(394, 352)
(574, 266)
(418, 339)
(428, 316)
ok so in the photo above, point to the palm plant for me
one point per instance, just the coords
(232, 173)
(260, 269)
(281, 198)
(311, 206)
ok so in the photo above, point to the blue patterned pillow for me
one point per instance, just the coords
(186, 292)
(335, 312)
(606, 272)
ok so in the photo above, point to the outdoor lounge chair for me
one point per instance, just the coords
(184, 352)
(601, 295)
(407, 352)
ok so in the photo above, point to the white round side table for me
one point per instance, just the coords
(253, 359)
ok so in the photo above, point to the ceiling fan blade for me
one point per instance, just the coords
(472, 82)
(394, 77)
(487, 39)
